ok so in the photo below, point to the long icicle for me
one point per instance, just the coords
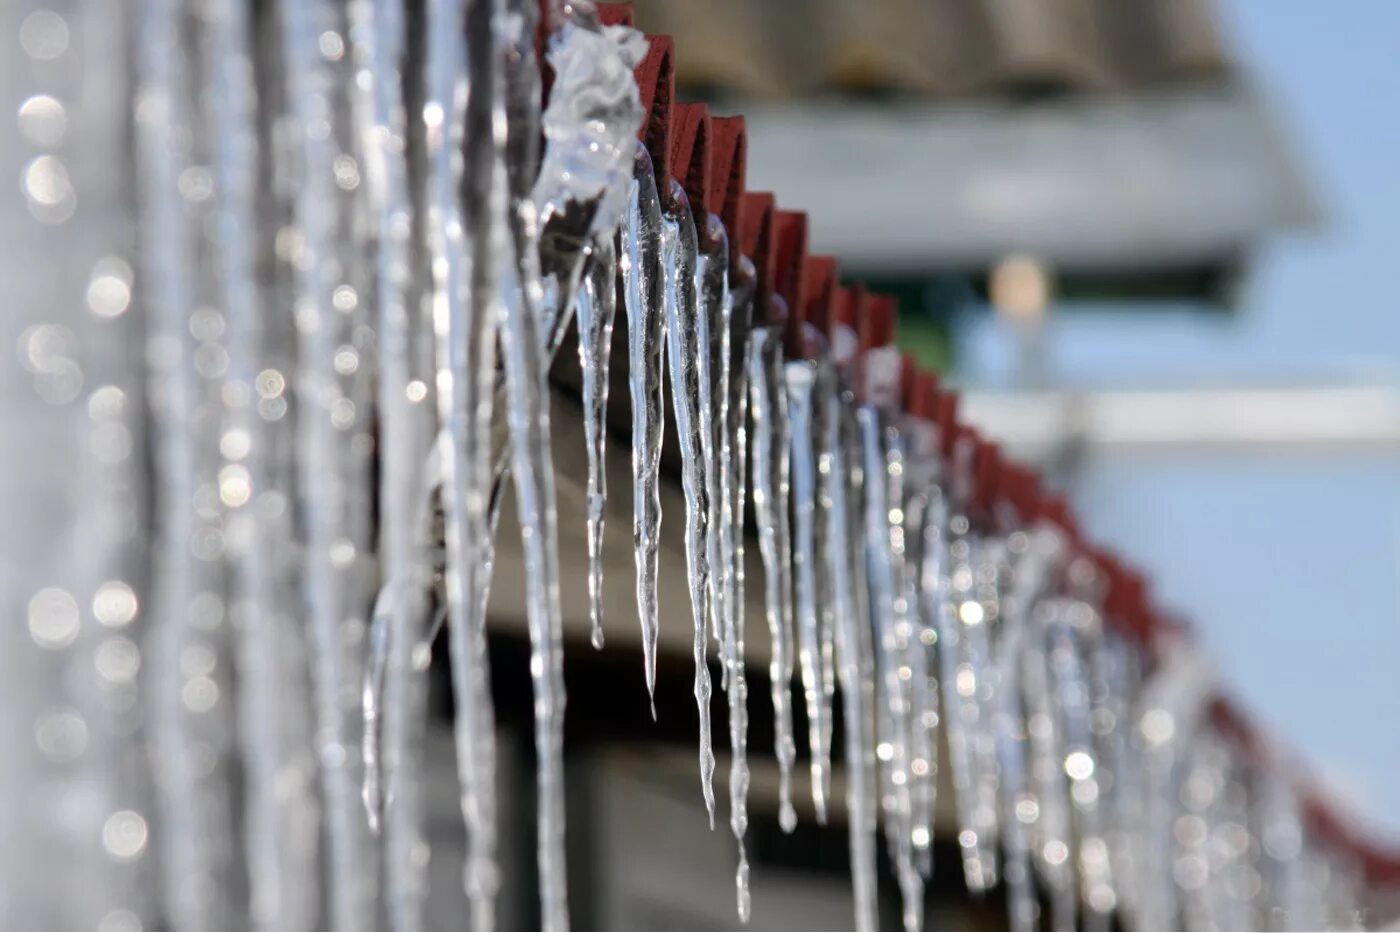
(800, 378)
(646, 345)
(196, 822)
(734, 451)
(333, 488)
(687, 332)
(852, 661)
(894, 746)
(825, 393)
(712, 291)
(395, 700)
(461, 110)
(280, 827)
(597, 305)
(922, 504)
(770, 500)
(532, 463)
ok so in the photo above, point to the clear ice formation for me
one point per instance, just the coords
(643, 294)
(596, 309)
(332, 441)
(800, 381)
(737, 321)
(842, 560)
(282, 451)
(687, 331)
(882, 462)
(769, 420)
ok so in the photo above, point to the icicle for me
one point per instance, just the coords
(280, 827)
(1007, 729)
(1033, 557)
(532, 464)
(733, 453)
(922, 533)
(852, 655)
(770, 499)
(964, 665)
(824, 394)
(1167, 714)
(686, 333)
(1072, 634)
(646, 343)
(1116, 677)
(905, 501)
(395, 699)
(189, 728)
(800, 378)
(459, 108)
(894, 748)
(712, 291)
(596, 309)
(333, 444)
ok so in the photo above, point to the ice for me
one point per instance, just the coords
(768, 407)
(597, 305)
(280, 829)
(800, 378)
(686, 333)
(646, 345)
(734, 454)
(466, 309)
(190, 724)
(852, 657)
(882, 463)
(395, 698)
(712, 296)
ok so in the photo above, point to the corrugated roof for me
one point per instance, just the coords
(939, 48)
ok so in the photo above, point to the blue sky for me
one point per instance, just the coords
(1288, 566)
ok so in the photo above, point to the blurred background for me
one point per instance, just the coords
(1153, 241)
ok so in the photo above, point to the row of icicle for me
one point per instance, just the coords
(357, 262)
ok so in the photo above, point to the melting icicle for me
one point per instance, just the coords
(894, 748)
(687, 332)
(280, 827)
(853, 659)
(922, 534)
(597, 305)
(825, 393)
(800, 377)
(905, 498)
(963, 659)
(1023, 683)
(1072, 633)
(1047, 756)
(532, 463)
(712, 296)
(190, 733)
(1169, 711)
(738, 314)
(646, 343)
(395, 700)
(1019, 805)
(466, 307)
(770, 499)
(332, 443)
